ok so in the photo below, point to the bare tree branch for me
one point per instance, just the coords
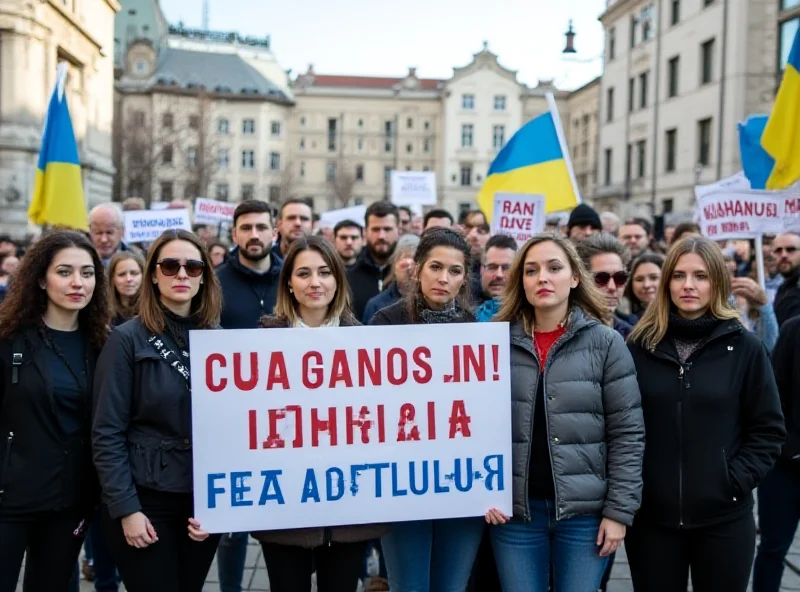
(343, 182)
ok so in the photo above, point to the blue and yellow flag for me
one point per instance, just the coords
(533, 162)
(58, 191)
(781, 137)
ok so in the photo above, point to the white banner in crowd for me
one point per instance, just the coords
(737, 182)
(413, 188)
(331, 218)
(304, 428)
(144, 226)
(518, 215)
(212, 211)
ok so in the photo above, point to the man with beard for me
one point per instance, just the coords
(787, 299)
(295, 220)
(366, 276)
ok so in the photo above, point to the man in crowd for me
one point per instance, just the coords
(497, 258)
(787, 299)
(249, 282)
(477, 232)
(405, 219)
(367, 274)
(417, 224)
(295, 220)
(438, 217)
(106, 225)
(772, 277)
(206, 232)
(348, 237)
(635, 234)
(583, 222)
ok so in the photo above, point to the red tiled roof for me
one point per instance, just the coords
(369, 81)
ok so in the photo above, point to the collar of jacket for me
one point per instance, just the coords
(577, 322)
(273, 272)
(667, 347)
(365, 260)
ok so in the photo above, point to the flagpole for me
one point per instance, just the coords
(551, 103)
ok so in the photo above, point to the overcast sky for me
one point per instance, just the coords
(357, 37)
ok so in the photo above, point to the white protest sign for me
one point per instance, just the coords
(144, 226)
(413, 188)
(212, 211)
(518, 215)
(737, 182)
(296, 428)
(331, 218)
(736, 214)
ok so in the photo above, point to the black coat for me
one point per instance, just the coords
(713, 427)
(787, 300)
(41, 469)
(247, 295)
(142, 425)
(397, 314)
(366, 281)
(786, 365)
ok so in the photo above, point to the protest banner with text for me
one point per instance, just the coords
(413, 188)
(212, 211)
(144, 226)
(297, 428)
(517, 215)
(747, 213)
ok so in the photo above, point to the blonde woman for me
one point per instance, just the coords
(714, 429)
(577, 429)
(125, 272)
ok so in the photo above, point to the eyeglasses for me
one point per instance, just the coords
(171, 267)
(789, 250)
(602, 278)
(493, 267)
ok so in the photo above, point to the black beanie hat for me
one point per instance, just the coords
(583, 215)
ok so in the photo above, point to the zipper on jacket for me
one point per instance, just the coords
(681, 374)
(6, 460)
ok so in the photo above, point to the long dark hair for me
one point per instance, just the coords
(438, 237)
(637, 307)
(26, 302)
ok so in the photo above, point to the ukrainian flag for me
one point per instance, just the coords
(58, 191)
(781, 138)
(535, 161)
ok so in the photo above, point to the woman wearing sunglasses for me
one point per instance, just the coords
(607, 260)
(141, 432)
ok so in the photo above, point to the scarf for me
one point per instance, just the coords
(178, 327)
(689, 334)
(331, 322)
(450, 314)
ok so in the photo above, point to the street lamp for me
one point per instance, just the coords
(570, 35)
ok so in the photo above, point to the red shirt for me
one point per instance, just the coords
(544, 341)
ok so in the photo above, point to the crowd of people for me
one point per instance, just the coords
(652, 387)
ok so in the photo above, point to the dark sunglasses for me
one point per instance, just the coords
(170, 267)
(603, 277)
(789, 250)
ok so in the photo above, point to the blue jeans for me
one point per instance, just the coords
(526, 552)
(231, 557)
(431, 555)
(778, 516)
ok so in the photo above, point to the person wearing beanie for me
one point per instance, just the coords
(583, 222)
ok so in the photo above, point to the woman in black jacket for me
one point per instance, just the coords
(433, 555)
(141, 432)
(52, 326)
(714, 429)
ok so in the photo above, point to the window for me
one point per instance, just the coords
(607, 170)
(612, 43)
(140, 67)
(787, 32)
(500, 103)
(223, 190)
(194, 122)
(647, 22)
(223, 158)
(168, 120)
(667, 205)
(704, 141)
(388, 133)
(468, 102)
(707, 64)
(498, 136)
(274, 193)
(426, 145)
(671, 137)
(466, 176)
(274, 161)
(634, 24)
(302, 170)
(359, 172)
(610, 104)
(330, 172)
(248, 126)
(222, 126)
(302, 122)
(409, 123)
(787, 4)
(248, 159)
(643, 89)
(631, 94)
(628, 161)
(248, 191)
(332, 134)
(166, 154)
(302, 143)
(166, 191)
(360, 144)
(138, 118)
(275, 129)
(427, 125)
(190, 191)
(641, 150)
(675, 15)
(673, 67)
(708, 2)
(361, 124)
(466, 135)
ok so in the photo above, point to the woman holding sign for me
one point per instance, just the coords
(433, 555)
(577, 427)
(53, 324)
(313, 292)
(142, 426)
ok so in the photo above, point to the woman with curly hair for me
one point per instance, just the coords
(125, 272)
(53, 324)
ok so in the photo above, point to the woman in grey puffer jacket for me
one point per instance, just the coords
(577, 426)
